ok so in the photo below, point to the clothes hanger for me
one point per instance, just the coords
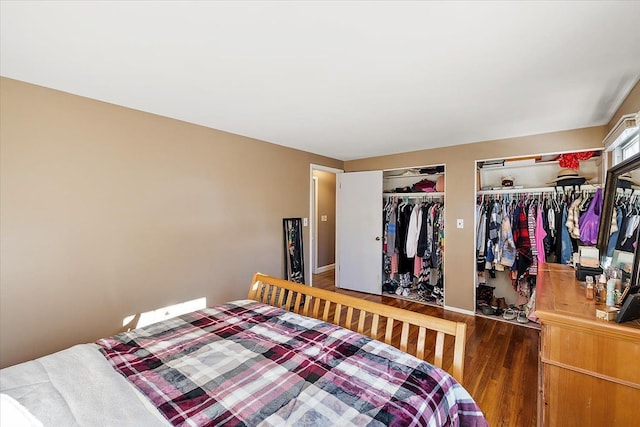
(586, 199)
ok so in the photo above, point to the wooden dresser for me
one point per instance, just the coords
(589, 368)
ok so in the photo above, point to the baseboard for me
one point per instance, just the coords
(325, 268)
(460, 310)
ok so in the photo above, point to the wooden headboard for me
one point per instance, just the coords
(365, 317)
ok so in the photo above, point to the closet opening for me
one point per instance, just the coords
(413, 234)
(528, 211)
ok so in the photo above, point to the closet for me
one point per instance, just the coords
(523, 207)
(413, 234)
(379, 211)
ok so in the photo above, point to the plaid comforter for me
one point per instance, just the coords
(247, 363)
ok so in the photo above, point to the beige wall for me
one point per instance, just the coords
(460, 187)
(327, 207)
(107, 212)
(631, 104)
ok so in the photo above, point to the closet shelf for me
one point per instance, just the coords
(517, 164)
(417, 175)
(588, 187)
(506, 165)
(415, 195)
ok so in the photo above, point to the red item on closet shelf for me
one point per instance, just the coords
(572, 160)
(569, 161)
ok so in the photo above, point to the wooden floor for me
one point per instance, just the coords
(501, 363)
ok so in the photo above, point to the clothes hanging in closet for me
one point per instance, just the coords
(517, 232)
(413, 241)
(545, 228)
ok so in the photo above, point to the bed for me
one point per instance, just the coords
(288, 355)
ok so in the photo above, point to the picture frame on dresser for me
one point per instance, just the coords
(622, 183)
(630, 309)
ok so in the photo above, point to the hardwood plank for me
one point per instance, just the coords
(501, 358)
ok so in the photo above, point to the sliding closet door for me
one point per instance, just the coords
(360, 231)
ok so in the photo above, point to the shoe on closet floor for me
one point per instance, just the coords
(498, 302)
(522, 317)
(488, 310)
(509, 314)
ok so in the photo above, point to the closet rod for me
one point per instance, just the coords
(539, 190)
(414, 195)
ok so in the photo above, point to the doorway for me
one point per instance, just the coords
(322, 223)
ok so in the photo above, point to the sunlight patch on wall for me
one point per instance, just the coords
(143, 319)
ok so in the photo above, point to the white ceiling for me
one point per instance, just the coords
(344, 79)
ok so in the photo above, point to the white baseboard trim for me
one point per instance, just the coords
(460, 310)
(325, 268)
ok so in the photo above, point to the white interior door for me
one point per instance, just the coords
(359, 231)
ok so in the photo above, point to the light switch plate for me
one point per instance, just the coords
(460, 223)
(305, 222)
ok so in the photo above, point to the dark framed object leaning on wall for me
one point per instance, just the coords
(622, 181)
(293, 250)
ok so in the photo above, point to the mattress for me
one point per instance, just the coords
(241, 363)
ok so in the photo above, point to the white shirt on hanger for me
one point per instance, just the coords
(415, 222)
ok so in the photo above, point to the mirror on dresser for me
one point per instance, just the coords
(619, 222)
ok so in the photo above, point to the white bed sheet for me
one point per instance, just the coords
(78, 387)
